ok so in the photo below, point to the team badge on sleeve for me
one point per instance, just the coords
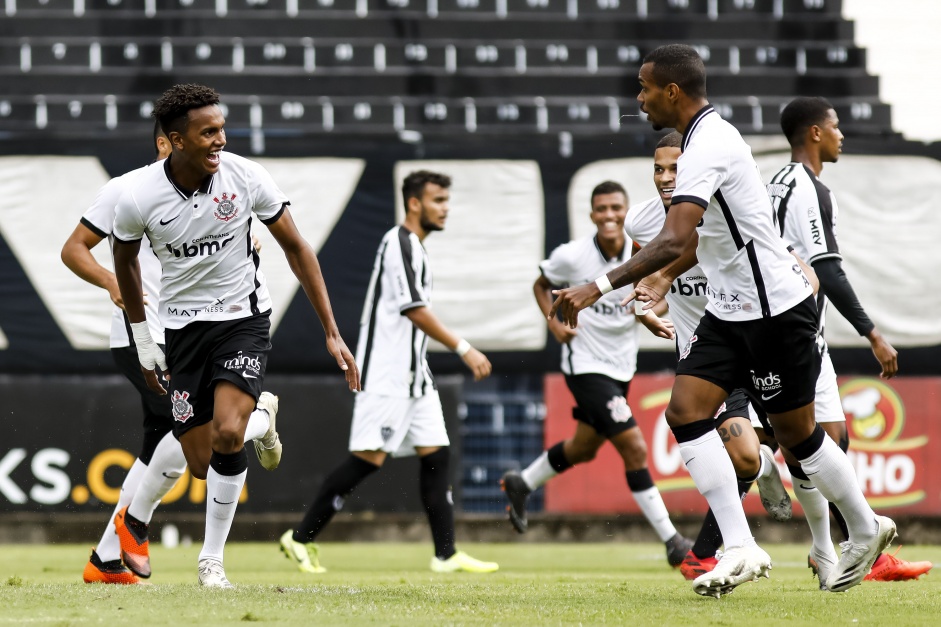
(226, 209)
(182, 409)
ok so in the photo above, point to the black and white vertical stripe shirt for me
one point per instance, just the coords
(750, 272)
(203, 239)
(391, 351)
(806, 213)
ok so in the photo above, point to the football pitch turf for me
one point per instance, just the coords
(390, 584)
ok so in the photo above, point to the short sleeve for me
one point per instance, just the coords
(128, 224)
(700, 171)
(99, 217)
(558, 267)
(269, 200)
(405, 266)
(807, 227)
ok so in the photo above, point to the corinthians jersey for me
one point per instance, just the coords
(806, 212)
(391, 351)
(687, 296)
(203, 240)
(606, 340)
(99, 219)
(751, 273)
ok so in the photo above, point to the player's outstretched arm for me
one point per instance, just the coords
(664, 249)
(837, 288)
(76, 255)
(428, 323)
(127, 272)
(306, 268)
(542, 290)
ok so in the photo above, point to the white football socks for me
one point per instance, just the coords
(538, 472)
(109, 547)
(166, 466)
(222, 497)
(257, 425)
(651, 503)
(833, 474)
(817, 512)
(709, 465)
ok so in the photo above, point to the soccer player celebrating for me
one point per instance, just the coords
(806, 212)
(599, 360)
(160, 461)
(399, 412)
(759, 329)
(196, 209)
(687, 300)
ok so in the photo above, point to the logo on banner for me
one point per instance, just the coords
(885, 467)
(226, 209)
(182, 408)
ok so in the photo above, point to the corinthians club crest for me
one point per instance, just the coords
(226, 209)
(182, 409)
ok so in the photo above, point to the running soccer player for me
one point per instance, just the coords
(806, 212)
(598, 361)
(123, 553)
(398, 412)
(687, 298)
(759, 329)
(160, 461)
(196, 209)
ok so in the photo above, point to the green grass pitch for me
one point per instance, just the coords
(390, 584)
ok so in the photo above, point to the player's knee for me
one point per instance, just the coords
(227, 439)
(746, 461)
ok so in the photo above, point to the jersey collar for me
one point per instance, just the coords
(619, 256)
(693, 123)
(205, 188)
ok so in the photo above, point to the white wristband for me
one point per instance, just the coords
(462, 347)
(604, 284)
(141, 333)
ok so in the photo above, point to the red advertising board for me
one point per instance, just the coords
(894, 428)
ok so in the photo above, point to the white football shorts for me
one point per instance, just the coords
(397, 425)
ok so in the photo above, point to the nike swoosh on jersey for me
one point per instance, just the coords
(768, 398)
(162, 223)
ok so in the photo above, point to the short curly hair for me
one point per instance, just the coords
(173, 106)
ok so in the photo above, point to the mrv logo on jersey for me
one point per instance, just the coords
(692, 286)
(202, 246)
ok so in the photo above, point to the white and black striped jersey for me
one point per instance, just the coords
(391, 351)
(203, 240)
(751, 274)
(687, 296)
(606, 340)
(99, 219)
(806, 213)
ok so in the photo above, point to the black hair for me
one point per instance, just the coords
(172, 108)
(670, 140)
(802, 113)
(680, 64)
(607, 187)
(414, 184)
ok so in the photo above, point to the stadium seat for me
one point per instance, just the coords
(130, 54)
(404, 56)
(44, 55)
(462, 9)
(33, 7)
(530, 8)
(492, 55)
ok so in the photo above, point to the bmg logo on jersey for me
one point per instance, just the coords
(692, 286)
(202, 246)
(249, 366)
